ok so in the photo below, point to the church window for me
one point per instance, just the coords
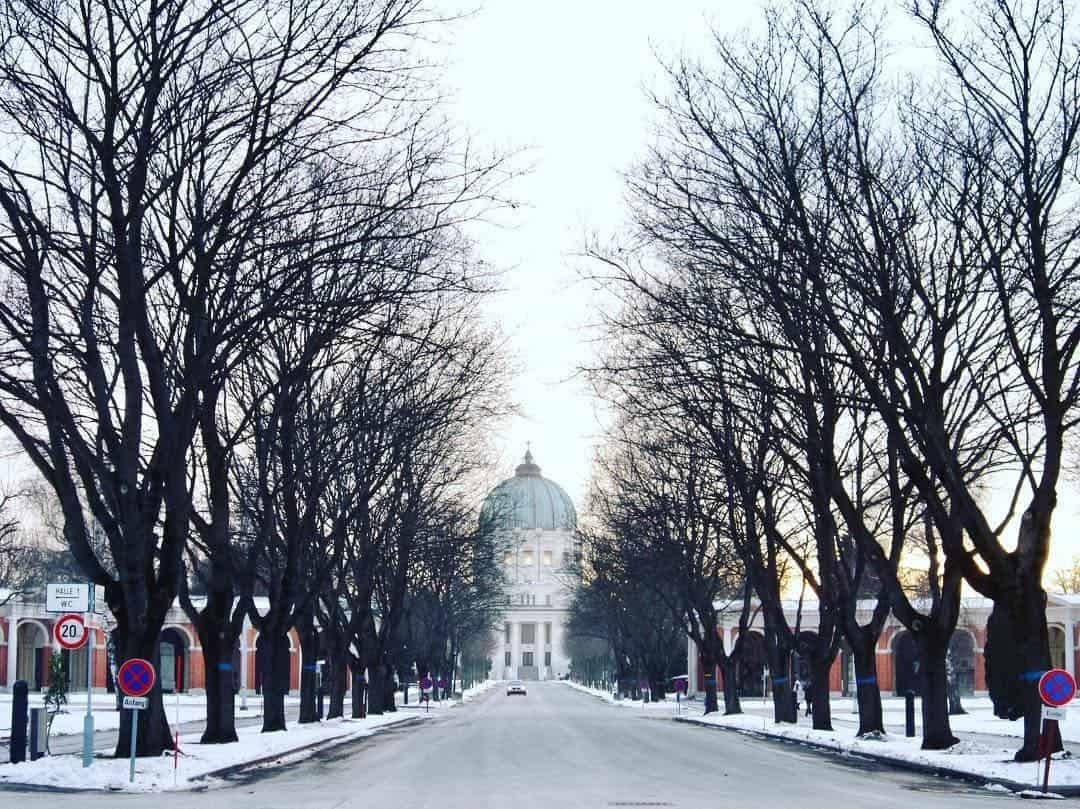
(526, 658)
(547, 633)
(547, 658)
(547, 559)
(508, 559)
(528, 634)
(506, 632)
(527, 558)
(506, 658)
(547, 600)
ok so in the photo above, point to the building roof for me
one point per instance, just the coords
(529, 501)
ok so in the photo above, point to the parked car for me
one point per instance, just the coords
(515, 687)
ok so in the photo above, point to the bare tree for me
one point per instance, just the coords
(150, 152)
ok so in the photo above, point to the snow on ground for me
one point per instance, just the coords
(472, 692)
(196, 761)
(192, 708)
(977, 759)
(669, 705)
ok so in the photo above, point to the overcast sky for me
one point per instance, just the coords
(566, 82)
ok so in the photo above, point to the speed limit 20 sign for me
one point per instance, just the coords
(70, 631)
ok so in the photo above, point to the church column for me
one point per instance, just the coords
(557, 666)
(12, 649)
(691, 667)
(515, 649)
(1070, 646)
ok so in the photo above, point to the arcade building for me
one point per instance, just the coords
(897, 657)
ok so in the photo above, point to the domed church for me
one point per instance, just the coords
(538, 524)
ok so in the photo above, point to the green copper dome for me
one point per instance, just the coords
(529, 501)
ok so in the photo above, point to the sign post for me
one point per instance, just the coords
(680, 686)
(1056, 689)
(135, 678)
(88, 720)
(425, 692)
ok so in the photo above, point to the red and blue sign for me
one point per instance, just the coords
(1057, 688)
(136, 677)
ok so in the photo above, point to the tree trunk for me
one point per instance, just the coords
(708, 667)
(359, 689)
(274, 647)
(868, 693)
(1027, 611)
(154, 735)
(309, 653)
(381, 682)
(784, 707)
(729, 673)
(933, 648)
(819, 692)
(217, 641)
(339, 681)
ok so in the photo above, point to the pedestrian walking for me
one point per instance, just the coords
(800, 692)
(809, 705)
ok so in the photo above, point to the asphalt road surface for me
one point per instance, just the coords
(555, 748)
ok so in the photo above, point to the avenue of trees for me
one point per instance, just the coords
(240, 337)
(845, 345)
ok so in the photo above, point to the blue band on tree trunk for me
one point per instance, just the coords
(224, 666)
(1032, 675)
(310, 668)
(779, 680)
(865, 680)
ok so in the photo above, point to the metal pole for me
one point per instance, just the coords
(134, 733)
(88, 721)
(1049, 726)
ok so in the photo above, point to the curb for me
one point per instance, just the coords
(1068, 790)
(327, 744)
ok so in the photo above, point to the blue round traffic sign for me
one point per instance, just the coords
(1057, 687)
(425, 683)
(136, 677)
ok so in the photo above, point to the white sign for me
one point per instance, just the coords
(1054, 713)
(67, 597)
(136, 703)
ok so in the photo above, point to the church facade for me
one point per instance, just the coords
(537, 527)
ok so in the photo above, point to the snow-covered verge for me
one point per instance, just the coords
(196, 762)
(669, 704)
(974, 760)
(192, 708)
(472, 692)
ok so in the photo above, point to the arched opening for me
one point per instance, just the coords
(173, 663)
(1057, 647)
(74, 663)
(905, 657)
(962, 661)
(31, 655)
(752, 666)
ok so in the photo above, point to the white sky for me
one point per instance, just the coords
(566, 81)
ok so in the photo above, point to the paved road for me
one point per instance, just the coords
(557, 748)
